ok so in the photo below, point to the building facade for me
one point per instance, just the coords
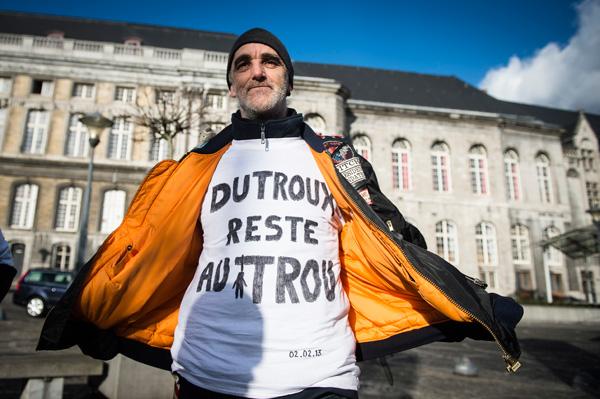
(486, 181)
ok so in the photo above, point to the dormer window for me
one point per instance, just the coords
(56, 34)
(132, 41)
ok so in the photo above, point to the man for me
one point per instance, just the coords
(253, 268)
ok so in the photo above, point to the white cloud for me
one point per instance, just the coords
(567, 77)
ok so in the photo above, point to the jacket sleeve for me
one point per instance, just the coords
(359, 172)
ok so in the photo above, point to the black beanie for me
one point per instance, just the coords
(258, 35)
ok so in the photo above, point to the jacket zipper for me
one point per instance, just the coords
(512, 364)
(263, 139)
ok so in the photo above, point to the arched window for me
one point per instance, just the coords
(479, 170)
(77, 138)
(512, 175)
(316, 122)
(544, 178)
(69, 202)
(401, 165)
(24, 206)
(113, 210)
(362, 145)
(446, 240)
(519, 235)
(440, 163)
(485, 235)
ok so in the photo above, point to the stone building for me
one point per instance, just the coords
(486, 181)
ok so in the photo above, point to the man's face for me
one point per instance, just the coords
(259, 81)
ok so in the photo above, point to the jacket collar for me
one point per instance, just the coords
(246, 129)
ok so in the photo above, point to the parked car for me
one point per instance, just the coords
(40, 289)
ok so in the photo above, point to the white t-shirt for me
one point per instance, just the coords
(266, 314)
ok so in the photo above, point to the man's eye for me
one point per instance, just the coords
(272, 62)
(242, 66)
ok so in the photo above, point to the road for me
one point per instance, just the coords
(559, 361)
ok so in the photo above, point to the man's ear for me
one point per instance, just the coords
(289, 91)
(232, 92)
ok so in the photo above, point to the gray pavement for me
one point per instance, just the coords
(559, 361)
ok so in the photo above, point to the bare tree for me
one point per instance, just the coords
(168, 113)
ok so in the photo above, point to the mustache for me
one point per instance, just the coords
(253, 84)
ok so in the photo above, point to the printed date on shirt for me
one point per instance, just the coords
(305, 353)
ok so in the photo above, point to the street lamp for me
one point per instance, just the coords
(95, 124)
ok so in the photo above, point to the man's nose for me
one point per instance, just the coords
(258, 70)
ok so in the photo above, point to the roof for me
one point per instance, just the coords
(398, 87)
(389, 86)
(366, 84)
(114, 31)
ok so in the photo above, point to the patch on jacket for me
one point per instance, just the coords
(345, 160)
(366, 195)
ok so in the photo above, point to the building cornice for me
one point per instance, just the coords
(503, 120)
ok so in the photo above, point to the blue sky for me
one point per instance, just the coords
(467, 39)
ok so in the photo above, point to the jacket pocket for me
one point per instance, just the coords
(128, 253)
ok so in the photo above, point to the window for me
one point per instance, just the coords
(42, 87)
(316, 122)
(120, 138)
(523, 280)
(362, 145)
(520, 243)
(552, 254)
(512, 176)
(67, 217)
(77, 138)
(592, 193)
(215, 101)
(440, 163)
(478, 169)
(23, 211)
(2, 119)
(446, 239)
(164, 96)
(125, 94)
(5, 85)
(83, 90)
(35, 132)
(401, 171)
(62, 257)
(132, 41)
(490, 278)
(556, 283)
(587, 155)
(485, 235)
(113, 210)
(544, 178)
(159, 149)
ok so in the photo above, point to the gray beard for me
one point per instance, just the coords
(266, 112)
